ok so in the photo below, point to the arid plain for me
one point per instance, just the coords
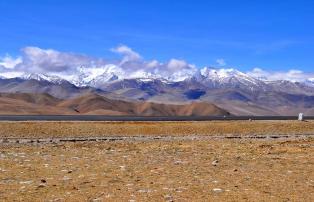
(171, 161)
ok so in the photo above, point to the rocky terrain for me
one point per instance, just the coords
(157, 161)
(186, 170)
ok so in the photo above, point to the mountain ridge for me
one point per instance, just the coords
(235, 91)
(96, 77)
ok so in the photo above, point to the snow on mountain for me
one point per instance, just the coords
(181, 75)
(9, 75)
(97, 76)
(42, 77)
(210, 77)
(229, 77)
(102, 75)
(309, 82)
(144, 76)
(224, 75)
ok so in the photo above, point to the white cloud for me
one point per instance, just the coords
(133, 63)
(221, 62)
(290, 75)
(68, 65)
(11, 74)
(177, 65)
(128, 54)
(9, 62)
(152, 64)
(47, 60)
(259, 73)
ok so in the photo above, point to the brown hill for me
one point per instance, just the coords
(40, 99)
(16, 106)
(192, 109)
(24, 103)
(93, 102)
(98, 104)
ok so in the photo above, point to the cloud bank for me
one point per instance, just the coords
(290, 75)
(49, 61)
(130, 65)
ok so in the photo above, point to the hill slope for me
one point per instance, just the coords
(25, 103)
(96, 103)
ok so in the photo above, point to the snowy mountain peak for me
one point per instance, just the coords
(92, 76)
(143, 75)
(100, 77)
(228, 76)
(42, 77)
(222, 73)
(309, 82)
(181, 75)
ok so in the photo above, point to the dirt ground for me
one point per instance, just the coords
(222, 170)
(158, 170)
(81, 129)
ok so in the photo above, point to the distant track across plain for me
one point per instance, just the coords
(15, 140)
(142, 118)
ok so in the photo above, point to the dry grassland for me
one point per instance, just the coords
(158, 170)
(79, 129)
(222, 170)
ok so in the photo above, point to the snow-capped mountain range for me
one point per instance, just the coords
(211, 77)
(42, 77)
(238, 92)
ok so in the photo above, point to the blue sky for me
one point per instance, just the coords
(273, 35)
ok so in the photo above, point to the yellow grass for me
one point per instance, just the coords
(62, 129)
(159, 171)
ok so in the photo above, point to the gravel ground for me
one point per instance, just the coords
(96, 129)
(187, 170)
(168, 161)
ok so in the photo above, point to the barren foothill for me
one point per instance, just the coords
(94, 104)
